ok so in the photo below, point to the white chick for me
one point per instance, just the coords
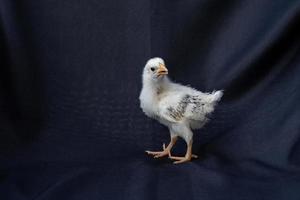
(178, 107)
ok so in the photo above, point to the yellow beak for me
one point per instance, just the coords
(162, 70)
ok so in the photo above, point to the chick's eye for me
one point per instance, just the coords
(152, 69)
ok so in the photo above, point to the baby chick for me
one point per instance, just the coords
(178, 107)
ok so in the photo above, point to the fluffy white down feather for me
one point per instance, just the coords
(180, 108)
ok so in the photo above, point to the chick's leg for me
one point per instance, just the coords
(166, 150)
(188, 156)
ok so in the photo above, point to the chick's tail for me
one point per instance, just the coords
(216, 96)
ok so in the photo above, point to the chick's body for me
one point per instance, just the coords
(178, 107)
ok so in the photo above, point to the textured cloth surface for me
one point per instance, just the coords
(70, 77)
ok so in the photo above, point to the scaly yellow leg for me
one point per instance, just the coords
(166, 150)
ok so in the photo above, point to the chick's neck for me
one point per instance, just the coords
(158, 85)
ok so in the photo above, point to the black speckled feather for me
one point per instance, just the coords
(177, 113)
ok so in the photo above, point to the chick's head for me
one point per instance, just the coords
(155, 69)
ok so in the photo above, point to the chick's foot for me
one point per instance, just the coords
(180, 159)
(159, 154)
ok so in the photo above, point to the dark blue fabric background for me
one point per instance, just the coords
(70, 76)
